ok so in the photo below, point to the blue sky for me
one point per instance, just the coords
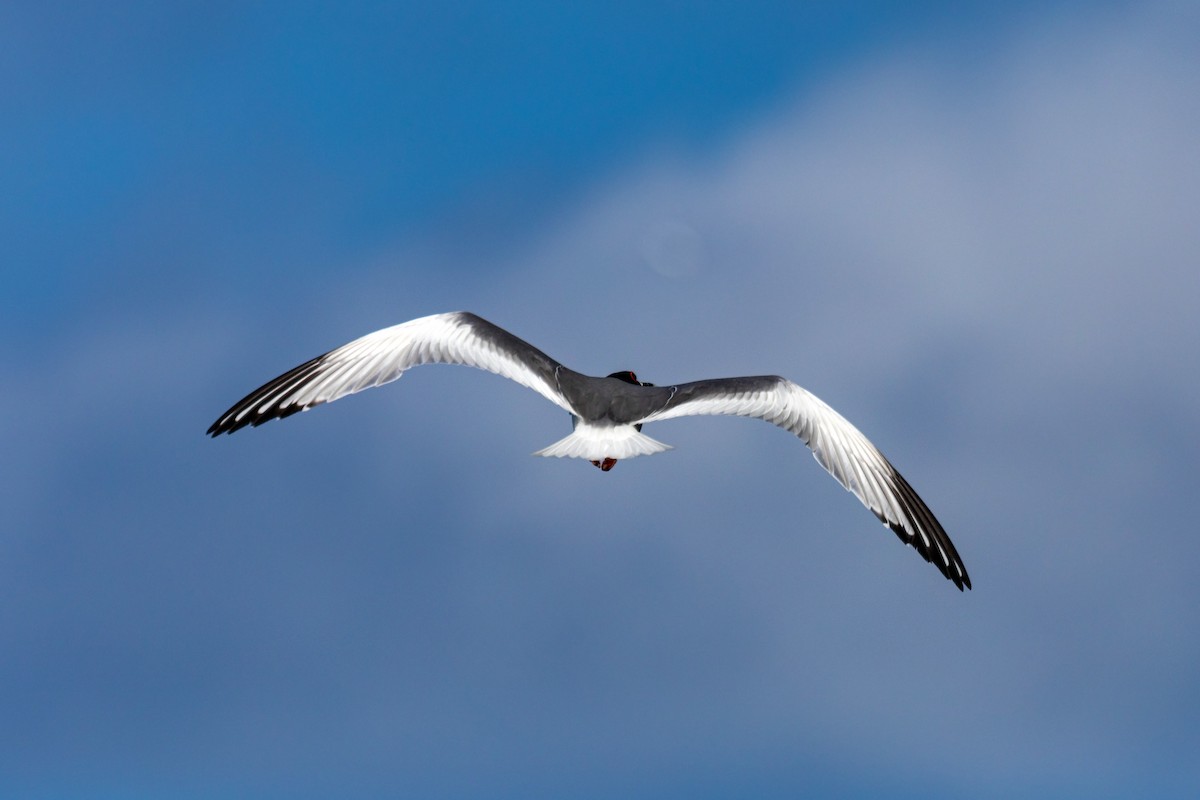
(970, 229)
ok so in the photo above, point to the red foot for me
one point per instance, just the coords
(606, 464)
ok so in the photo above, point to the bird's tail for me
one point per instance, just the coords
(595, 443)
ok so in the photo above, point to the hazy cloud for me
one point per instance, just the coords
(985, 261)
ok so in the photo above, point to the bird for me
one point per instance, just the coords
(607, 413)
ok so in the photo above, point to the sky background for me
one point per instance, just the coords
(971, 228)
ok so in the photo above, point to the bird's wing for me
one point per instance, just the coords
(380, 357)
(837, 445)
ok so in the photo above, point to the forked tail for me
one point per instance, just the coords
(596, 443)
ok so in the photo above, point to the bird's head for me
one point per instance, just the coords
(628, 376)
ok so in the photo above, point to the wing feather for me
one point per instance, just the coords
(837, 445)
(383, 356)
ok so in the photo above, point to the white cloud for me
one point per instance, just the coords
(994, 274)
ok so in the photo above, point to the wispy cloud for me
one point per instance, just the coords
(986, 261)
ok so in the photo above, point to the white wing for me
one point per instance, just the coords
(383, 356)
(837, 445)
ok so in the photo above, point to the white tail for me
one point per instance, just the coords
(595, 442)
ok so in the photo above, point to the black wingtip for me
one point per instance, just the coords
(252, 411)
(224, 425)
(949, 571)
(922, 519)
(217, 428)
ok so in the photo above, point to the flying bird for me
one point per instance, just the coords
(607, 413)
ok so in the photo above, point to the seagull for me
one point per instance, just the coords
(608, 413)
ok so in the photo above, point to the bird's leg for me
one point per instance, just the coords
(606, 464)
